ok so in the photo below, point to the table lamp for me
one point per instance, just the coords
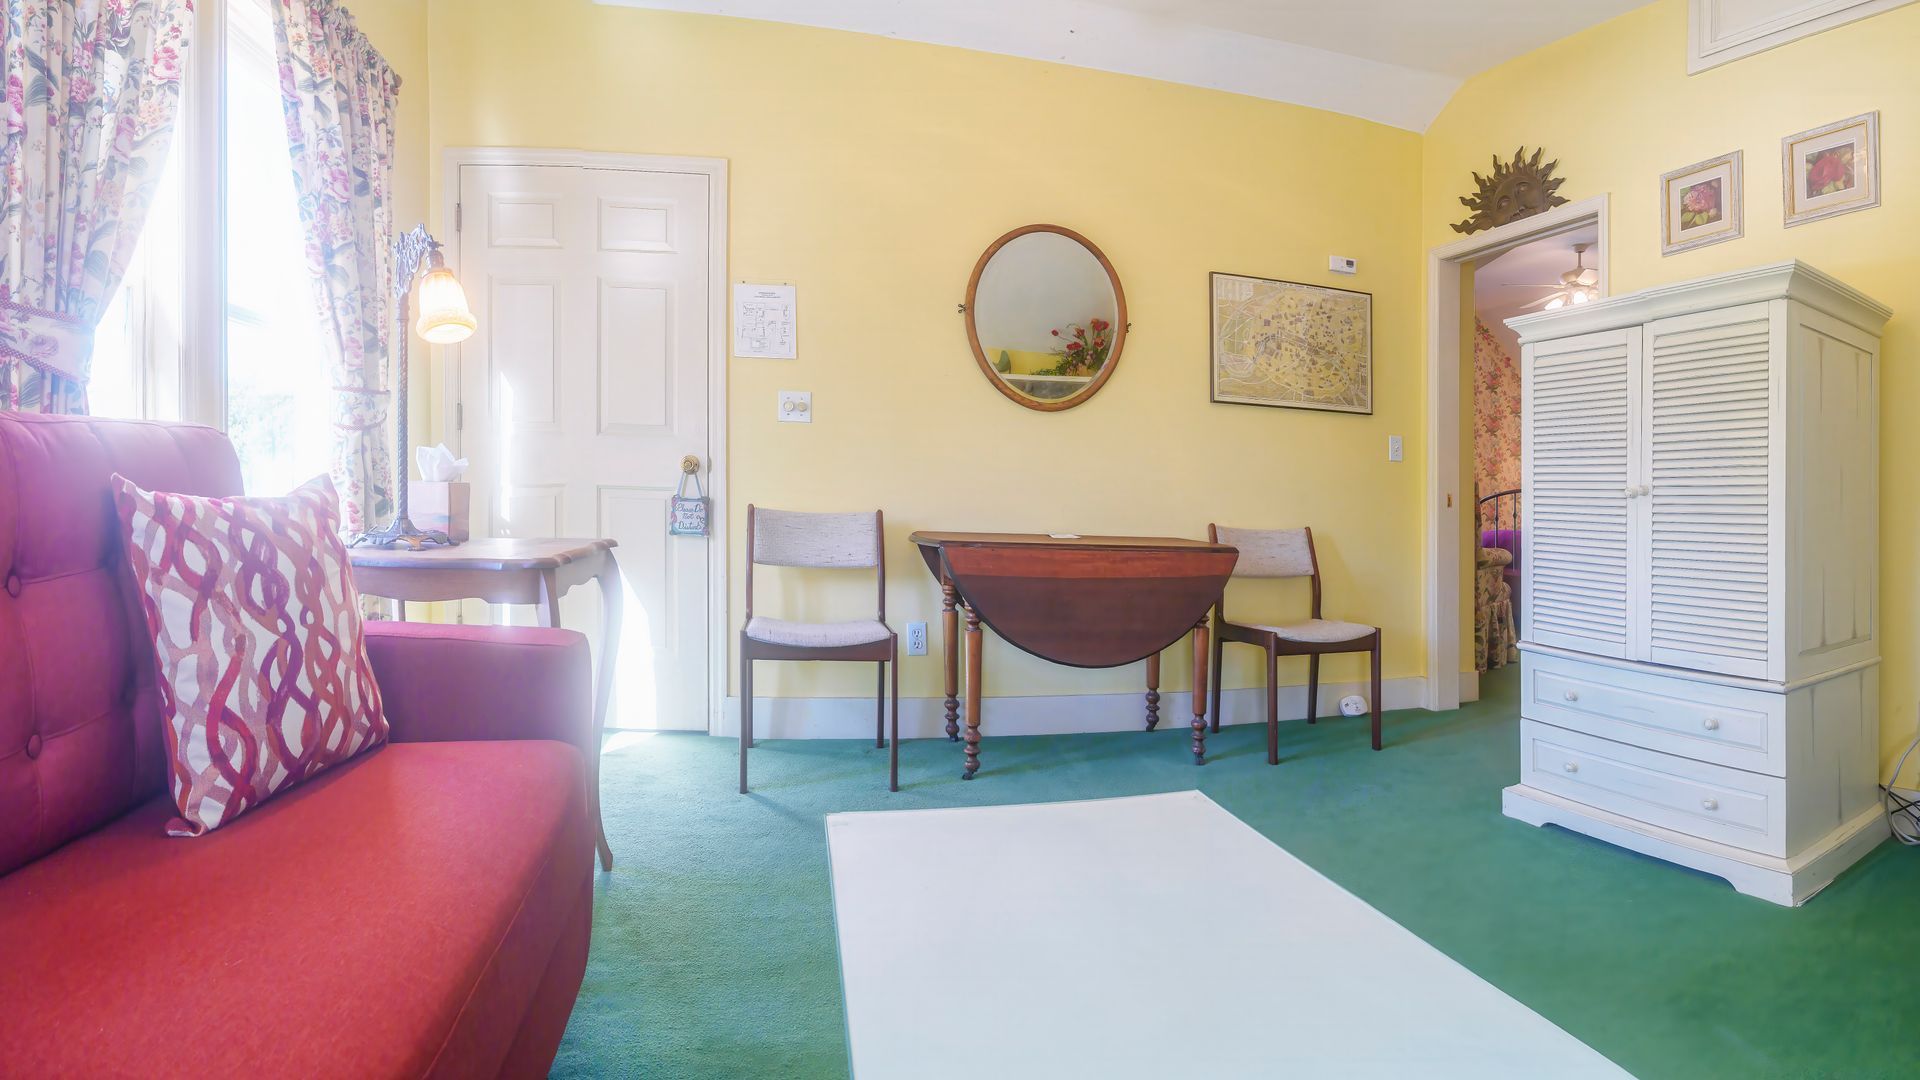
(445, 319)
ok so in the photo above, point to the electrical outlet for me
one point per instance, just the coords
(916, 639)
(1394, 448)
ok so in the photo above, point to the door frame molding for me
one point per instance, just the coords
(1447, 487)
(453, 159)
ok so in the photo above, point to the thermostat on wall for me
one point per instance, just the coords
(1340, 264)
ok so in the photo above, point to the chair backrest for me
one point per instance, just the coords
(831, 541)
(81, 738)
(825, 541)
(1269, 553)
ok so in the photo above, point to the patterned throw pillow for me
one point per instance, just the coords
(263, 670)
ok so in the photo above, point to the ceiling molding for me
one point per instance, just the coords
(1084, 34)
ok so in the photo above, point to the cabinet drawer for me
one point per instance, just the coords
(1743, 729)
(1728, 806)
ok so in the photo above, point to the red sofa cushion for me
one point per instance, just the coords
(80, 737)
(396, 915)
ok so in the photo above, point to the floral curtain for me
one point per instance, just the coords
(93, 87)
(340, 97)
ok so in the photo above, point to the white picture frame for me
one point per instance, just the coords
(1850, 150)
(1686, 225)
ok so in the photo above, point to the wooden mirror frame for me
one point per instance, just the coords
(1119, 321)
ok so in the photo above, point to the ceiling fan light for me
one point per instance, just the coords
(1580, 296)
(1556, 303)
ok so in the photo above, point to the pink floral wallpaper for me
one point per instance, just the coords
(1496, 413)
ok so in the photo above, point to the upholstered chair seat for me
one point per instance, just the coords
(812, 635)
(1320, 631)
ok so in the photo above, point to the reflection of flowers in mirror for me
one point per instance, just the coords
(1083, 349)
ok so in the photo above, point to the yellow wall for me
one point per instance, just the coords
(872, 173)
(1616, 106)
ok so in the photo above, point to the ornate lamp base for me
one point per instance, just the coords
(401, 530)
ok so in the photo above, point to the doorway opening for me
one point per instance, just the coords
(1514, 263)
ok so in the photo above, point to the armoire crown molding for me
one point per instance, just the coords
(1793, 279)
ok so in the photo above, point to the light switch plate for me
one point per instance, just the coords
(1340, 264)
(796, 406)
(1394, 448)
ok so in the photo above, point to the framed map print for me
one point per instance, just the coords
(1291, 346)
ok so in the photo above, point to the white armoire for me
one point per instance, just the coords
(1700, 646)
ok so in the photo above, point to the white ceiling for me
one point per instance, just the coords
(1452, 37)
(1393, 61)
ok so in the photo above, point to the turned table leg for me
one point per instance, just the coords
(609, 579)
(1200, 692)
(950, 629)
(973, 694)
(1153, 691)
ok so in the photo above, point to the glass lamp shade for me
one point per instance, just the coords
(445, 318)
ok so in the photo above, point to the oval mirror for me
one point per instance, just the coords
(1046, 317)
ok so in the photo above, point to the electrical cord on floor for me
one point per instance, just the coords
(1903, 814)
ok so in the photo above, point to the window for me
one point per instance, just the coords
(264, 364)
(279, 403)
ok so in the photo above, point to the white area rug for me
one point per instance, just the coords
(1156, 936)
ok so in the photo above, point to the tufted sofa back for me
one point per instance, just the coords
(80, 736)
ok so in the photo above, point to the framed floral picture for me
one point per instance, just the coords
(1832, 170)
(1701, 204)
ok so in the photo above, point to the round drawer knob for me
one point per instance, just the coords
(1709, 804)
(1571, 696)
(1711, 723)
(1570, 767)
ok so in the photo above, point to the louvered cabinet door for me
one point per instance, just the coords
(1711, 391)
(1580, 460)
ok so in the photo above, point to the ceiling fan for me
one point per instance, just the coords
(1576, 286)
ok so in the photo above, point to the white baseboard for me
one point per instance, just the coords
(1049, 714)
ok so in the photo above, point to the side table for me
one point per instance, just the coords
(535, 571)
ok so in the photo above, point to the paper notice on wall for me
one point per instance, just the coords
(764, 321)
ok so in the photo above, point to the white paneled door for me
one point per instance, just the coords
(584, 388)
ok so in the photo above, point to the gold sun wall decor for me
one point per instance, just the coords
(1513, 191)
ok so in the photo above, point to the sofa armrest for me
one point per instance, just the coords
(441, 683)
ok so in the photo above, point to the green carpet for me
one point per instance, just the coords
(713, 938)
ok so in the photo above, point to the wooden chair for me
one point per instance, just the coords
(824, 541)
(1287, 553)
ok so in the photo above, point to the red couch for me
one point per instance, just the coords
(422, 910)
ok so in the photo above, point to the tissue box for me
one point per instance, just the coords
(441, 506)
